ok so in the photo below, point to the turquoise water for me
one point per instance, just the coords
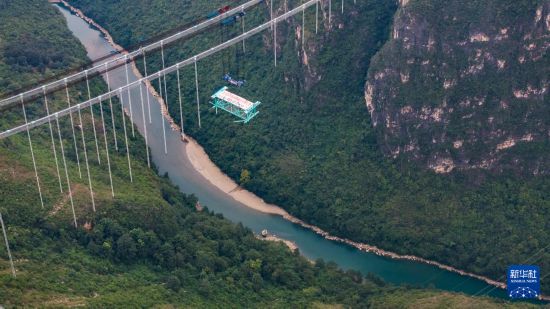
(311, 245)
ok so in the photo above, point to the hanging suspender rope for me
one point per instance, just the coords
(242, 22)
(53, 142)
(197, 87)
(125, 135)
(86, 158)
(181, 107)
(148, 99)
(163, 75)
(66, 169)
(275, 40)
(106, 146)
(144, 124)
(271, 13)
(165, 90)
(342, 6)
(112, 111)
(172, 68)
(162, 97)
(32, 154)
(303, 26)
(130, 99)
(58, 84)
(228, 54)
(7, 246)
(162, 116)
(329, 12)
(93, 118)
(316, 17)
(222, 54)
(72, 128)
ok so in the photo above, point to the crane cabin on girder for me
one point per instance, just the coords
(244, 109)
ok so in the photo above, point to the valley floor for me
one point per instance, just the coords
(202, 164)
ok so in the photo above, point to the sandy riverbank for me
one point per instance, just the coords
(202, 164)
(290, 244)
(195, 153)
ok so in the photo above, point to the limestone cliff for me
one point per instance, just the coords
(464, 85)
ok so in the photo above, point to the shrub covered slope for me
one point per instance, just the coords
(313, 149)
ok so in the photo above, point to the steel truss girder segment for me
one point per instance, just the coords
(232, 109)
(151, 77)
(111, 64)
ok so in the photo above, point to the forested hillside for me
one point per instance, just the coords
(313, 150)
(145, 247)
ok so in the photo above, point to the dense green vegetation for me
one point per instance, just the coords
(312, 149)
(428, 299)
(28, 50)
(146, 246)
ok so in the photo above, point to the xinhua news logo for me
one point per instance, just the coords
(523, 281)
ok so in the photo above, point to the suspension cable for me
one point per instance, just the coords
(32, 154)
(165, 93)
(144, 81)
(316, 17)
(72, 129)
(181, 107)
(93, 119)
(53, 142)
(163, 75)
(144, 124)
(112, 110)
(125, 136)
(162, 119)
(162, 115)
(303, 27)
(271, 13)
(275, 41)
(116, 62)
(242, 22)
(172, 68)
(106, 146)
(66, 169)
(86, 158)
(329, 12)
(130, 100)
(7, 246)
(197, 88)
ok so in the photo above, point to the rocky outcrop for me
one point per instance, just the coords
(465, 86)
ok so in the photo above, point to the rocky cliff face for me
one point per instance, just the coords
(464, 85)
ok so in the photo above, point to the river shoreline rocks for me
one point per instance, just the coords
(270, 237)
(202, 164)
(384, 253)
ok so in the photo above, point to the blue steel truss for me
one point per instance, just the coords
(245, 115)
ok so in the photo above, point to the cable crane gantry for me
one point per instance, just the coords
(244, 109)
